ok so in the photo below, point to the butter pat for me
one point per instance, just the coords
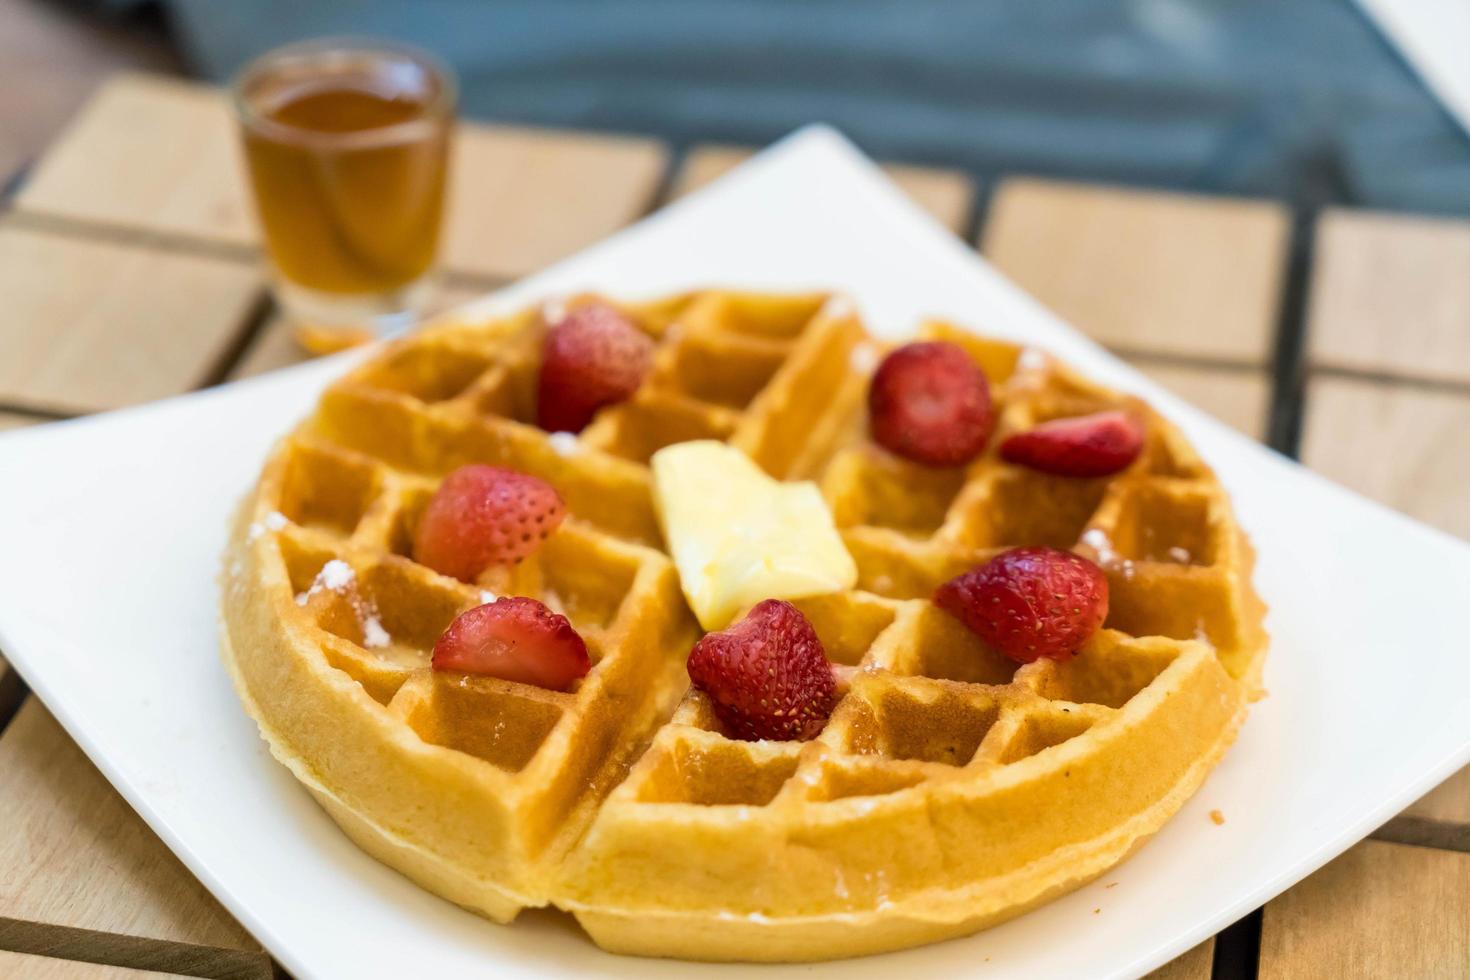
(738, 536)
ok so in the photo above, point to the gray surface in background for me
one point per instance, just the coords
(1300, 99)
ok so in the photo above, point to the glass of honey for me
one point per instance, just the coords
(347, 150)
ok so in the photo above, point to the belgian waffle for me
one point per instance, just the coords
(951, 788)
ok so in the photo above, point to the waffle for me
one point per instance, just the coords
(950, 790)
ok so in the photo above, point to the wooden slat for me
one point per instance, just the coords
(1449, 802)
(1240, 398)
(1400, 445)
(148, 153)
(1380, 910)
(524, 198)
(81, 876)
(1146, 272)
(13, 420)
(1391, 295)
(948, 195)
(275, 348)
(19, 966)
(92, 324)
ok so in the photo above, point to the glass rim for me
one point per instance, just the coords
(438, 110)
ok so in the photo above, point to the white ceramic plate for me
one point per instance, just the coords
(110, 530)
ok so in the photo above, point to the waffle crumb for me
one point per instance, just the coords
(1217, 817)
(1111, 884)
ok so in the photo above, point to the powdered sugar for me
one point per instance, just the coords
(564, 443)
(1032, 359)
(838, 307)
(337, 576)
(273, 521)
(1097, 539)
(864, 358)
(1181, 555)
(373, 634)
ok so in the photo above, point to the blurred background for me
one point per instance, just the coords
(1304, 101)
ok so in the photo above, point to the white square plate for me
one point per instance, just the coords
(111, 528)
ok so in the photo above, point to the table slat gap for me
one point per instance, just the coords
(131, 236)
(1407, 828)
(26, 966)
(133, 952)
(1193, 965)
(1405, 381)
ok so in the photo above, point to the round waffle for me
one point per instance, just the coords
(951, 788)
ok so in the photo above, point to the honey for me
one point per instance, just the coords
(347, 158)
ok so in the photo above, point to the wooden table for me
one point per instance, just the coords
(130, 271)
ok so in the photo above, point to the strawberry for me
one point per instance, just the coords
(930, 403)
(594, 357)
(1100, 444)
(1030, 602)
(482, 516)
(767, 675)
(515, 639)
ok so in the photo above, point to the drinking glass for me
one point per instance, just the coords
(347, 150)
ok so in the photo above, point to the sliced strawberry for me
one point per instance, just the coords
(929, 402)
(767, 675)
(1088, 445)
(1030, 602)
(482, 516)
(594, 357)
(515, 639)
